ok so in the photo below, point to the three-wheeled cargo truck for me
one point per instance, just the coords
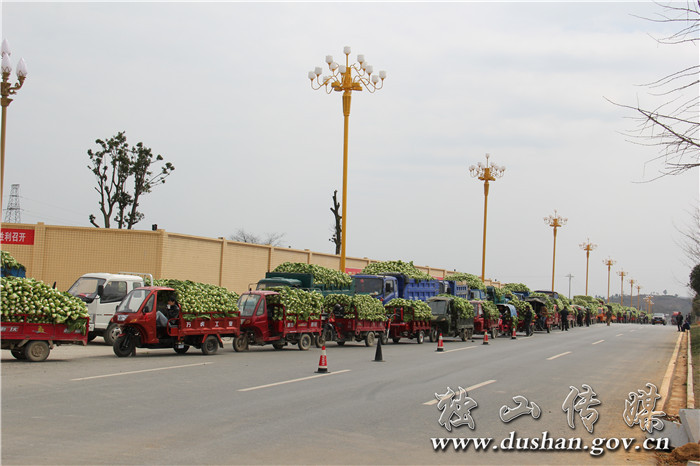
(404, 324)
(136, 317)
(446, 320)
(341, 326)
(33, 341)
(264, 321)
(482, 322)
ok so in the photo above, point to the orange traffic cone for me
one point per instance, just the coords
(486, 338)
(512, 336)
(440, 346)
(322, 363)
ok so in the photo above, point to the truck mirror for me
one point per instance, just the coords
(100, 290)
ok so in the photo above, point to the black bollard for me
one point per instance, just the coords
(378, 353)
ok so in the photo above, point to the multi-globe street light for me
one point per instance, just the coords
(588, 247)
(346, 78)
(632, 282)
(485, 172)
(6, 90)
(622, 275)
(609, 262)
(555, 221)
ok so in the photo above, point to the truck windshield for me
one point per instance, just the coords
(368, 285)
(247, 304)
(85, 288)
(133, 301)
(439, 308)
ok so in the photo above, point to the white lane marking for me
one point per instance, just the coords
(291, 381)
(141, 371)
(558, 355)
(596, 342)
(468, 389)
(458, 349)
(619, 335)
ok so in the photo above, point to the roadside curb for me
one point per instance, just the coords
(690, 391)
(665, 389)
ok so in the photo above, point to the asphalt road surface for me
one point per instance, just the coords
(86, 406)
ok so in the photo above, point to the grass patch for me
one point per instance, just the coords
(695, 352)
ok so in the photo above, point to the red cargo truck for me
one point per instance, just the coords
(403, 324)
(33, 342)
(136, 317)
(264, 321)
(482, 322)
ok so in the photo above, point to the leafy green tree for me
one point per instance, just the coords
(114, 165)
(695, 279)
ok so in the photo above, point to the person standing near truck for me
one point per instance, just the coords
(608, 317)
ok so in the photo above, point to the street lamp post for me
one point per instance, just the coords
(588, 247)
(622, 275)
(346, 78)
(609, 262)
(6, 90)
(485, 173)
(638, 296)
(632, 282)
(555, 222)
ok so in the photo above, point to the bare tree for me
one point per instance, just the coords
(674, 125)
(337, 230)
(271, 239)
(690, 241)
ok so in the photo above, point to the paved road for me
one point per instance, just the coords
(85, 406)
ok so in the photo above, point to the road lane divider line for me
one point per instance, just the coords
(291, 381)
(596, 342)
(458, 349)
(140, 372)
(558, 355)
(619, 335)
(468, 389)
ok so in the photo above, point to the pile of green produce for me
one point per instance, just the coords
(465, 309)
(322, 275)
(522, 307)
(518, 287)
(9, 262)
(549, 302)
(490, 310)
(405, 268)
(201, 300)
(41, 304)
(473, 281)
(588, 302)
(421, 310)
(367, 307)
(496, 294)
(299, 304)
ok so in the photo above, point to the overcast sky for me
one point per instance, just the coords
(221, 91)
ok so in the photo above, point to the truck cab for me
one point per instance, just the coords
(383, 287)
(101, 293)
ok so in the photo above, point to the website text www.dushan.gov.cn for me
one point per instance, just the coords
(597, 447)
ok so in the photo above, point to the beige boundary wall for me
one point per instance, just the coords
(61, 254)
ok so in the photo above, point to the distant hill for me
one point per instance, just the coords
(662, 303)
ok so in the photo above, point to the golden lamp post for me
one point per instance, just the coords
(622, 275)
(632, 282)
(638, 296)
(609, 262)
(6, 91)
(346, 78)
(588, 247)
(555, 222)
(485, 173)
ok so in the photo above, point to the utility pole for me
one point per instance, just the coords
(570, 277)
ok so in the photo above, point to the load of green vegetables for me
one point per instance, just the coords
(299, 304)
(201, 300)
(322, 275)
(33, 301)
(405, 268)
(366, 307)
(473, 281)
(9, 262)
(418, 311)
(465, 309)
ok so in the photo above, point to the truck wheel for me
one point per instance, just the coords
(320, 340)
(124, 345)
(470, 333)
(384, 337)
(494, 333)
(182, 350)
(369, 339)
(463, 335)
(433, 335)
(91, 336)
(278, 346)
(240, 343)
(36, 351)
(210, 345)
(396, 339)
(111, 333)
(340, 342)
(421, 337)
(18, 353)
(304, 342)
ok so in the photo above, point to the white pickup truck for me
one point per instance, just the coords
(102, 293)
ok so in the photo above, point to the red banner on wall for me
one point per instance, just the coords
(17, 236)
